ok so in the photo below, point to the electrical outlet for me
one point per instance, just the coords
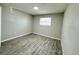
(11, 9)
(15, 32)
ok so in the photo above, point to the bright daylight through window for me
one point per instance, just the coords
(45, 21)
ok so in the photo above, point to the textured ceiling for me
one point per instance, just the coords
(44, 8)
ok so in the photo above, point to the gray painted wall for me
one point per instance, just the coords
(15, 23)
(0, 25)
(70, 34)
(53, 31)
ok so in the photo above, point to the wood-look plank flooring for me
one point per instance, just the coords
(31, 45)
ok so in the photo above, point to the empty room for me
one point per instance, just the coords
(39, 28)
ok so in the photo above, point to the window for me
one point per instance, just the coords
(45, 21)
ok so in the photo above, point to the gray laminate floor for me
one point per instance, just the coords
(31, 45)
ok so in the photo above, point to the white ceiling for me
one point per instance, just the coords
(44, 8)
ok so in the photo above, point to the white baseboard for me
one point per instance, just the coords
(47, 36)
(28, 34)
(15, 37)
